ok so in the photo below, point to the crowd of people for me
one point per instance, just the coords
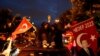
(50, 35)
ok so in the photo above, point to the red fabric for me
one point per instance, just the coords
(13, 36)
(86, 30)
(23, 26)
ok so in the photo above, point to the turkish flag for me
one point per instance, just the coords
(86, 30)
(23, 26)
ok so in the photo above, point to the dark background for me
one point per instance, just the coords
(37, 10)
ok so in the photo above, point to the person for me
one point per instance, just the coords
(44, 34)
(3, 41)
(86, 50)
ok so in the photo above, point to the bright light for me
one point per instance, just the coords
(33, 23)
(57, 20)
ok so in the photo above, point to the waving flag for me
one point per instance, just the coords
(86, 30)
(23, 26)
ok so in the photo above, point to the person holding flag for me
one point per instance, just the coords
(24, 26)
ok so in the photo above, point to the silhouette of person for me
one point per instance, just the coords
(86, 50)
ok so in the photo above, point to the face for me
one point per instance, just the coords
(85, 44)
(3, 37)
(46, 26)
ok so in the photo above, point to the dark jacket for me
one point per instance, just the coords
(84, 53)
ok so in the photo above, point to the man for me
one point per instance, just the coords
(85, 50)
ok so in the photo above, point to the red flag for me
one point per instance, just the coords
(86, 30)
(23, 26)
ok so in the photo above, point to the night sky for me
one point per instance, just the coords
(38, 10)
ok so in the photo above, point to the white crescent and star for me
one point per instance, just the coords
(24, 26)
(79, 37)
(92, 37)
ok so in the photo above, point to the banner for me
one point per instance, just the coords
(23, 26)
(85, 30)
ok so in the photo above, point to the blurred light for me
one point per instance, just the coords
(29, 17)
(68, 25)
(9, 24)
(33, 23)
(57, 20)
(49, 18)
